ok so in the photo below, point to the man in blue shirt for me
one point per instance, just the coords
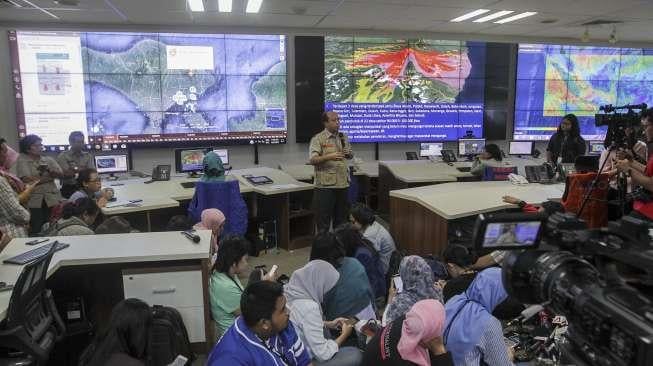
(262, 335)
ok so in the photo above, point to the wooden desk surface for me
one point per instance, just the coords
(455, 200)
(106, 249)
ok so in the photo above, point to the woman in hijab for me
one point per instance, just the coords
(212, 219)
(8, 157)
(472, 334)
(304, 294)
(418, 284)
(413, 339)
(213, 168)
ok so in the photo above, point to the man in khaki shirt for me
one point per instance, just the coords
(328, 152)
(72, 162)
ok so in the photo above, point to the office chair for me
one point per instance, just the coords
(32, 325)
(411, 155)
(498, 173)
(225, 196)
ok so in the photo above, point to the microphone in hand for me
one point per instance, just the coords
(191, 235)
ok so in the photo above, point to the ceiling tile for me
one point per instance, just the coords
(298, 7)
(576, 7)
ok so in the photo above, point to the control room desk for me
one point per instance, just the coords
(401, 174)
(265, 202)
(162, 268)
(419, 216)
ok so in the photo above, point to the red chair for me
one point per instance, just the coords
(577, 187)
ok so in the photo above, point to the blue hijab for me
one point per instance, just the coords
(471, 311)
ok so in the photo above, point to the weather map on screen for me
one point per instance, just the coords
(405, 90)
(554, 80)
(150, 87)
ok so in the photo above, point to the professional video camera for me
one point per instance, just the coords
(618, 122)
(601, 280)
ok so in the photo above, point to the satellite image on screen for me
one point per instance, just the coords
(146, 86)
(397, 71)
(396, 90)
(554, 80)
(174, 83)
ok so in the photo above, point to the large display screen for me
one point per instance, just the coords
(554, 80)
(149, 87)
(398, 90)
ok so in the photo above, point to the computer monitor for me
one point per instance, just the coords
(596, 148)
(189, 160)
(223, 154)
(520, 147)
(429, 149)
(110, 164)
(469, 147)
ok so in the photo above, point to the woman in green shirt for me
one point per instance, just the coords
(224, 286)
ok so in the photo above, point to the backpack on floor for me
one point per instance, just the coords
(168, 337)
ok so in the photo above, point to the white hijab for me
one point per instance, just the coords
(312, 281)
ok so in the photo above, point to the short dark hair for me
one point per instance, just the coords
(2, 140)
(648, 114)
(259, 301)
(231, 250)
(325, 117)
(179, 223)
(83, 205)
(327, 248)
(114, 225)
(350, 239)
(84, 176)
(494, 151)
(459, 255)
(26, 142)
(75, 134)
(362, 214)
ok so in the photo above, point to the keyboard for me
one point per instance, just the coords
(35, 253)
(188, 184)
(464, 169)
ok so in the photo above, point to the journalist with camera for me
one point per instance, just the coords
(640, 174)
(600, 280)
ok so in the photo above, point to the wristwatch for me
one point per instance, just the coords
(521, 204)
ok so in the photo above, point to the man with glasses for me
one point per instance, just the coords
(72, 161)
(328, 153)
(89, 185)
(641, 175)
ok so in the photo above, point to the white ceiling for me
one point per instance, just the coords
(375, 16)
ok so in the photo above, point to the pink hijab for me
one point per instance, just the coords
(10, 159)
(211, 219)
(423, 322)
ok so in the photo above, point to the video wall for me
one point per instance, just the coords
(399, 90)
(554, 80)
(150, 87)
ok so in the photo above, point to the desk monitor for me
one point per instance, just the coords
(430, 149)
(596, 148)
(223, 154)
(521, 148)
(189, 160)
(469, 147)
(110, 164)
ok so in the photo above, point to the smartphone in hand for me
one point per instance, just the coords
(399, 285)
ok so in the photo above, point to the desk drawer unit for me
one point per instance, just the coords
(181, 289)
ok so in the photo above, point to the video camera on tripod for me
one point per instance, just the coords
(618, 123)
(600, 279)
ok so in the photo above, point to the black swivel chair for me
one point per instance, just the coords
(32, 325)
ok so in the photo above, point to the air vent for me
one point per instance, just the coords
(549, 21)
(601, 22)
(67, 2)
(9, 4)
